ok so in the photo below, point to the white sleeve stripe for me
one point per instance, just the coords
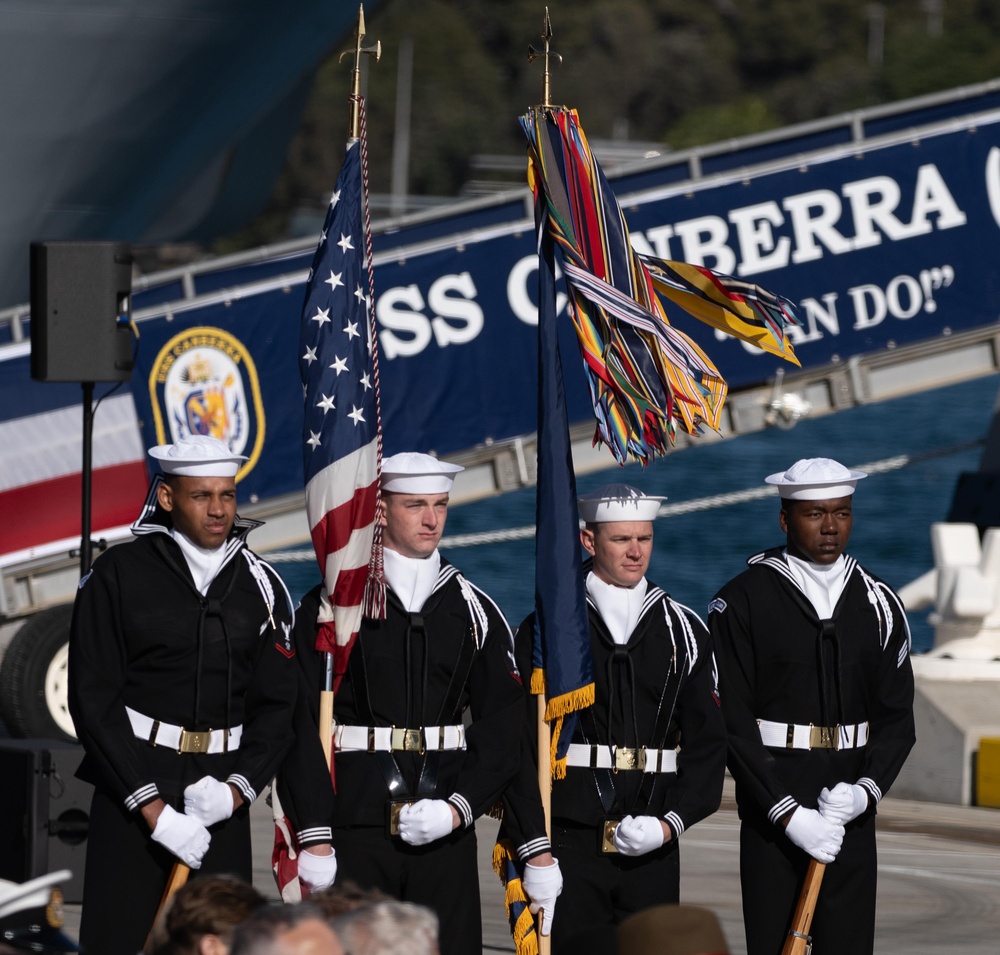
(534, 847)
(675, 823)
(463, 808)
(142, 795)
(869, 784)
(243, 785)
(780, 808)
(314, 834)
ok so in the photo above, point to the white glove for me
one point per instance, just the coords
(543, 885)
(316, 871)
(811, 832)
(184, 836)
(843, 803)
(209, 801)
(425, 821)
(637, 835)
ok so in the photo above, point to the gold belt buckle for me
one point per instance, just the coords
(608, 829)
(194, 741)
(823, 737)
(409, 741)
(395, 806)
(625, 758)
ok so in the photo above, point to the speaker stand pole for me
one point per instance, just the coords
(88, 438)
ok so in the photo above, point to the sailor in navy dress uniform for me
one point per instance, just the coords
(31, 916)
(181, 687)
(647, 760)
(427, 719)
(818, 689)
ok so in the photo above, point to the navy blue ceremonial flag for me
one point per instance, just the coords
(340, 429)
(563, 667)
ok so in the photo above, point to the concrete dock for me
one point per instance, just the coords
(939, 877)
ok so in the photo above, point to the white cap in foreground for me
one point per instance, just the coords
(618, 502)
(197, 455)
(411, 472)
(816, 479)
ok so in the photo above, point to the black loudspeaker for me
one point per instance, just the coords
(79, 302)
(44, 812)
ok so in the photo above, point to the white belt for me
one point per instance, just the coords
(621, 757)
(184, 741)
(388, 739)
(799, 736)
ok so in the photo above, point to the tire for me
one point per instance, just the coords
(33, 697)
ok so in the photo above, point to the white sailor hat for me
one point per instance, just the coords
(816, 479)
(411, 472)
(31, 914)
(618, 502)
(197, 455)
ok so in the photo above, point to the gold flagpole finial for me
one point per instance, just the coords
(373, 51)
(545, 52)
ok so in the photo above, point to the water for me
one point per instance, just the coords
(695, 554)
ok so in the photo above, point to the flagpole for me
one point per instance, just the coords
(545, 790)
(549, 390)
(326, 710)
(354, 123)
(373, 51)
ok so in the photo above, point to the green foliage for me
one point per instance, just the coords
(679, 72)
(710, 124)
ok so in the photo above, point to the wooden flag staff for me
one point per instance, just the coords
(178, 876)
(545, 789)
(799, 941)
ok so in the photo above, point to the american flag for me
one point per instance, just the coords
(341, 426)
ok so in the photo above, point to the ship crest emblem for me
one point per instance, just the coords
(204, 382)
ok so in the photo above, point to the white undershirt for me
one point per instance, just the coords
(411, 578)
(619, 607)
(203, 562)
(821, 583)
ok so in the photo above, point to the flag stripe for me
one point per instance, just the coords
(350, 587)
(355, 552)
(337, 484)
(339, 531)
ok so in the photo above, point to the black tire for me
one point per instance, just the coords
(33, 678)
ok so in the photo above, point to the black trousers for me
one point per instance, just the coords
(126, 872)
(601, 890)
(444, 876)
(771, 872)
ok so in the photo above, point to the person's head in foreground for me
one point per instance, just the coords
(201, 916)
(660, 930)
(279, 929)
(343, 897)
(198, 490)
(415, 489)
(619, 532)
(389, 928)
(816, 508)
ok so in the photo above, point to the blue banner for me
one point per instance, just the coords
(878, 245)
